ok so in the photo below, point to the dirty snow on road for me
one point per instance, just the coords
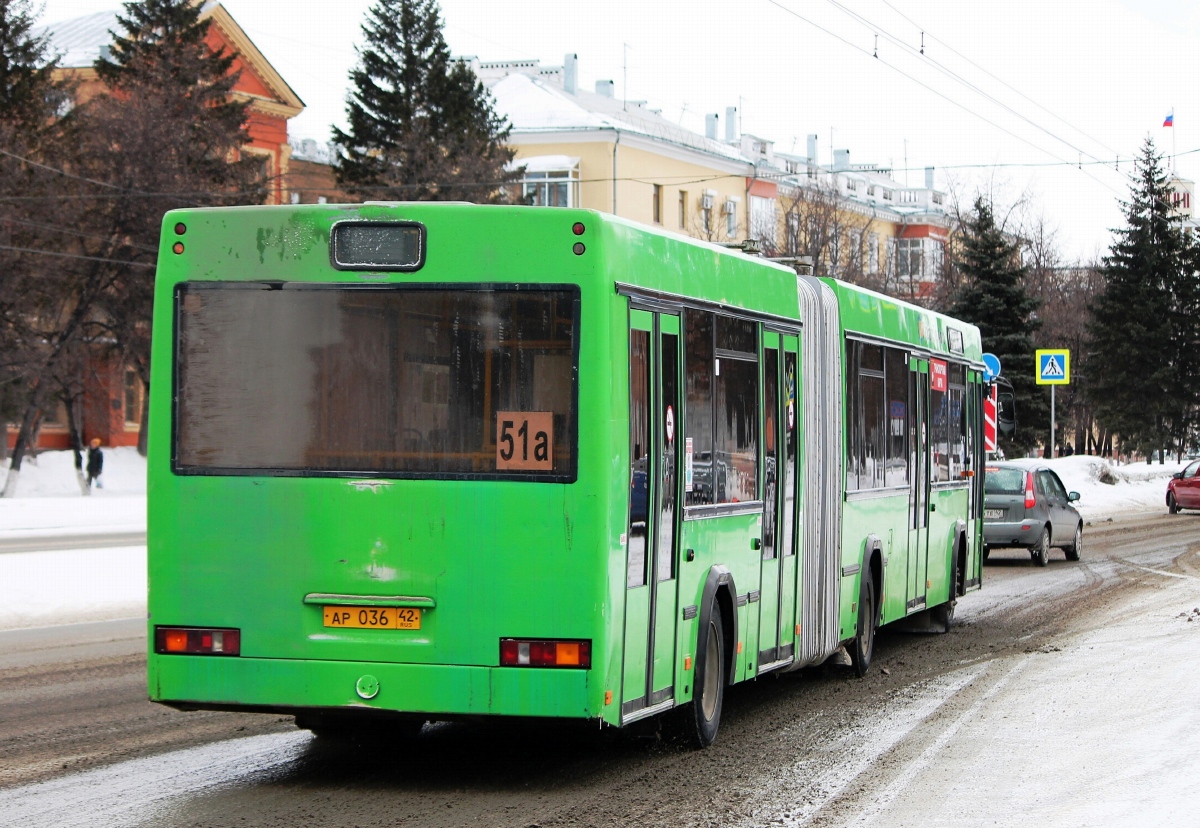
(136, 792)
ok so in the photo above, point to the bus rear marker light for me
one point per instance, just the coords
(607, 697)
(540, 653)
(577, 228)
(178, 248)
(579, 248)
(197, 641)
(180, 229)
(687, 662)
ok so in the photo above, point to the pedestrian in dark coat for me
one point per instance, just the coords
(95, 463)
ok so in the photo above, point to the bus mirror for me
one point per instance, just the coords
(1006, 416)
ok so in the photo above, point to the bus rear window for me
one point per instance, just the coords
(400, 381)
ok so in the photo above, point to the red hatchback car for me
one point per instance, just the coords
(1183, 492)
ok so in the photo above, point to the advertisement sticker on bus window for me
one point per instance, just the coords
(525, 440)
(670, 424)
(938, 377)
(688, 469)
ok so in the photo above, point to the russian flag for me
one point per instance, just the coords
(1170, 119)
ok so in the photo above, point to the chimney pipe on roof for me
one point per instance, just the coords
(812, 149)
(606, 88)
(929, 178)
(570, 73)
(731, 124)
(841, 160)
(710, 126)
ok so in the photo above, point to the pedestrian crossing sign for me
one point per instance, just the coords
(1054, 366)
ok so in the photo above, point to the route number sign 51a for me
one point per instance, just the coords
(525, 440)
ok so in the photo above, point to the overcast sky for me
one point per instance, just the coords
(1002, 86)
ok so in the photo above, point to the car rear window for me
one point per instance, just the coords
(998, 480)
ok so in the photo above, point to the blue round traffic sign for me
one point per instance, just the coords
(991, 367)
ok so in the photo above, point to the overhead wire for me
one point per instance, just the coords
(59, 229)
(924, 31)
(950, 73)
(61, 255)
(936, 92)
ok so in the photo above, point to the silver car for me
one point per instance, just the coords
(1027, 507)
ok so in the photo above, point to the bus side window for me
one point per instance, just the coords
(698, 353)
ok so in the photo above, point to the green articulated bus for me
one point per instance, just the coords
(417, 462)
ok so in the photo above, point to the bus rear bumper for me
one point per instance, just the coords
(286, 685)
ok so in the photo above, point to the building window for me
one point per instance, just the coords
(682, 209)
(762, 219)
(851, 185)
(549, 188)
(873, 253)
(937, 198)
(657, 204)
(731, 218)
(133, 398)
(909, 258)
(887, 194)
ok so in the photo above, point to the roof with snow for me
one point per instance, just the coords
(533, 105)
(80, 41)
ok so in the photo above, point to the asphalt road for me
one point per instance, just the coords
(1055, 688)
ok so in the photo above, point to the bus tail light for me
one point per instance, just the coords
(516, 652)
(1030, 500)
(197, 641)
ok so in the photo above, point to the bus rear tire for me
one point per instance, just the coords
(705, 718)
(863, 645)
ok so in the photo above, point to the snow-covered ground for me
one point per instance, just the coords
(41, 589)
(49, 502)
(1106, 489)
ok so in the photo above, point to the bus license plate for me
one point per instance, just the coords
(993, 514)
(373, 618)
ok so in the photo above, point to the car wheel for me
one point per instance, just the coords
(1076, 547)
(863, 646)
(1041, 552)
(1172, 506)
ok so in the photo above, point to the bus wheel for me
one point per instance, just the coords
(863, 646)
(1076, 547)
(1041, 552)
(710, 683)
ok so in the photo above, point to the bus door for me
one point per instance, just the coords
(919, 502)
(652, 532)
(777, 608)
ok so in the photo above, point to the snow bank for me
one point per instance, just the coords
(49, 588)
(49, 502)
(1107, 489)
(52, 474)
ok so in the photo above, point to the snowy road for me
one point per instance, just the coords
(1064, 696)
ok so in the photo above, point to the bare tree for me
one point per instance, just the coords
(820, 223)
